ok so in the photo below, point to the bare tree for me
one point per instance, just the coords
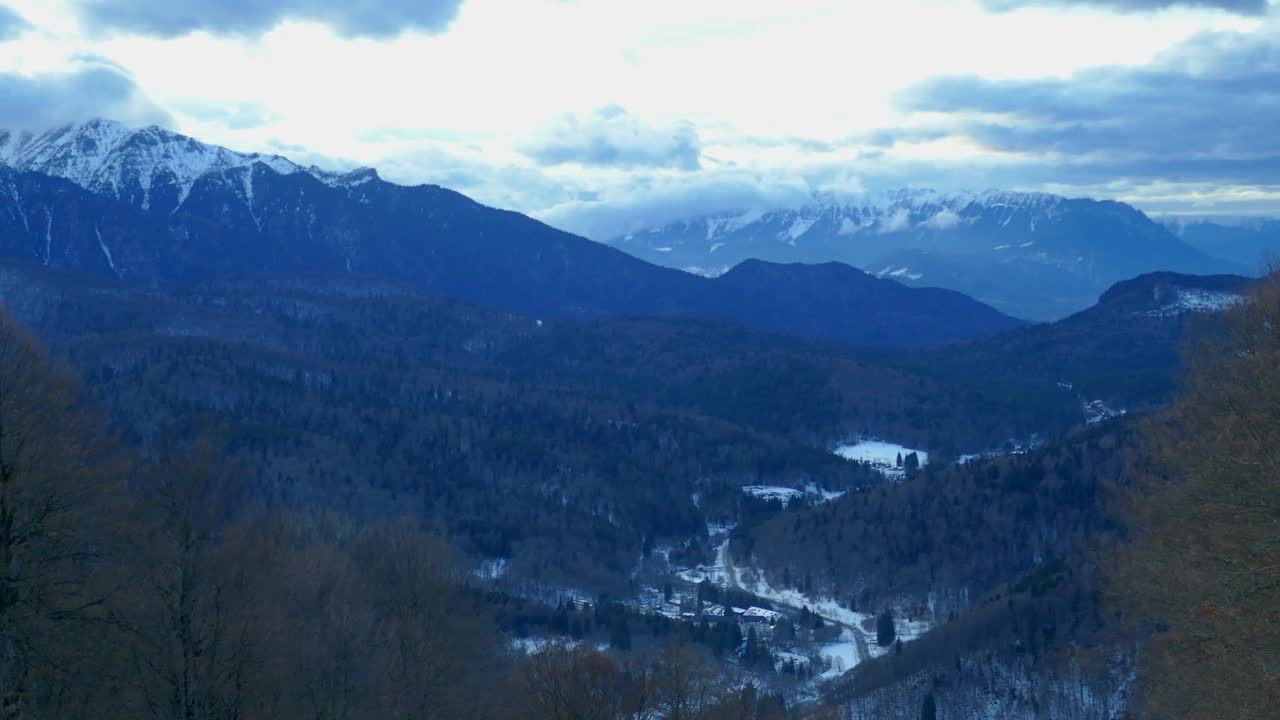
(561, 683)
(432, 646)
(356, 623)
(191, 630)
(55, 473)
(1204, 565)
(686, 682)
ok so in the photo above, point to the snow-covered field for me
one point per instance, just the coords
(881, 455)
(830, 609)
(906, 631)
(772, 492)
(842, 655)
(787, 494)
(716, 572)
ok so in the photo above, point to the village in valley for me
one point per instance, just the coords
(780, 639)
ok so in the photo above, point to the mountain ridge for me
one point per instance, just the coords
(1032, 255)
(111, 159)
(241, 214)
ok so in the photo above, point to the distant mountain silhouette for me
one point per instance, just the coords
(153, 208)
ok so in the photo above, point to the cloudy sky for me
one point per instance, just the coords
(603, 116)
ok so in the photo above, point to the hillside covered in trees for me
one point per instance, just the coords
(270, 498)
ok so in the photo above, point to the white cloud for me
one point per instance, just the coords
(612, 137)
(944, 220)
(652, 200)
(728, 103)
(900, 220)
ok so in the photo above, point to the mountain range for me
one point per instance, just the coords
(1031, 255)
(1252, 243)
(153, 208)
(579, 421)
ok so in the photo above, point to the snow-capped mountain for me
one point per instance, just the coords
(149, 168)
(1030, 254)
(149, 207)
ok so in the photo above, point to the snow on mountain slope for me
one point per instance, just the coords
(1196, 300)
(871, 213)
(1032, 255)
(151, 168)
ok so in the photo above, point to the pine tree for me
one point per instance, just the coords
(886, 632)
(620, 634)
(930, 709)
(911, 463)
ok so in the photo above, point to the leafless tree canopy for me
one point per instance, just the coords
(1204, 566)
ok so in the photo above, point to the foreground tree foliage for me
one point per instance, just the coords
(165, 599)
(1204, 567)
(57, 483)
(680, 683)
(133, 589)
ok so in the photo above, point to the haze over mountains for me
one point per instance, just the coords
(155, 208)
(1031, 255)
(1253, 243)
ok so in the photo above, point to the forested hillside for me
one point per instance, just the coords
(566, 452)
(949, 535)
(137, 587)
(557, 446)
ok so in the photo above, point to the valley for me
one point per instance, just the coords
(837, 489)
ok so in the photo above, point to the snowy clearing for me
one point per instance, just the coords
(787, 494)
(881, 455)
(842, 655)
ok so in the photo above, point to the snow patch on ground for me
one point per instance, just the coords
(712, 272)
(492, 568)
(717, 572)
(773, 492)
(905, 631)
(842, 655)
(1098, 411)
(787, 494)
(753, 583)
(881, 455)
(535, 645)
(1191, 300)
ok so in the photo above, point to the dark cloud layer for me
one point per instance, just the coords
(44, 101)
(1207, 108)
(11, 24)
(1243, 7)
(350, 18)
(611, 137)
